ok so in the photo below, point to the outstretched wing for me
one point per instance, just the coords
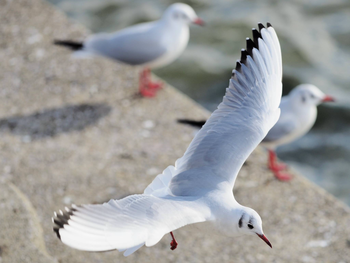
(125, 224)
(248, 111)
(285, 126)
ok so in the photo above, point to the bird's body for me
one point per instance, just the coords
(293, 123)
(199, 187)
(298, 115)
(150, 45)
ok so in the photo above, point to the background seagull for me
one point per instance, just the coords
(151, 45)
(298, 115)
(199, 187)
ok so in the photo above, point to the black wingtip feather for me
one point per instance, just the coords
(69, 44)
(58, 222)
(250, 46)
(56, 230)
(61, 219)
(238, 66)
(244, 55)
(256, 36)
(261, 26)
(193, 123)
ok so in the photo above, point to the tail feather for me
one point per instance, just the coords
(69, 44)
(193, 123)
(129, 251)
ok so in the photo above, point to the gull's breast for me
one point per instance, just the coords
(176, 43)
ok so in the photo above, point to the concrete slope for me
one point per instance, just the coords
(21, 235)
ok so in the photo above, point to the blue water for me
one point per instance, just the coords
(316, 49)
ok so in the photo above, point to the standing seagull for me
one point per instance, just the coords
(298, 115)
(199, 187)
(150, 45)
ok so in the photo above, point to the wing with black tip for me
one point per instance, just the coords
(249, 110)
(125, 224)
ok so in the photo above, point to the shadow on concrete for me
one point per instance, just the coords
(51, 122)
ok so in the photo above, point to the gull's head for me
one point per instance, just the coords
(309, 95)
(249, 223)
(182, 14)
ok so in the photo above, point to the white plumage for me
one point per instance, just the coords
(298, 115)
(150, 45)
(199, 187)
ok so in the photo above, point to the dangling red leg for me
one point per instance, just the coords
(277, 168)
(173, 243)
(146, 86)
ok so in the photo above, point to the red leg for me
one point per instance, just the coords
(143, 85)
(284, 177)
(147, 87)
(150, 83)
(281, 166)
(173, 243)
(277, 168)
(273, 165)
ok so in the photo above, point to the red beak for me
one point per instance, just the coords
(263, 237)
(327, 98)
(198, 21)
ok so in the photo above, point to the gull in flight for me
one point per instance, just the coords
(150, 45)
(298, 115)
(199, 187)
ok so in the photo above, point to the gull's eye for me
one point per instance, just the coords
(312, 96)
(250, 226)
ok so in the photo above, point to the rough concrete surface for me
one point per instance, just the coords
(72, 132)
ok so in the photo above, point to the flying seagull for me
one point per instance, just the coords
(150, 45)
(199, 187)
(298, 115)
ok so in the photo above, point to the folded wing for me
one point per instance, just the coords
(135, 45)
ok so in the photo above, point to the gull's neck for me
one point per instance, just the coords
(306, 113)
(226, 214)
(294, 102)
